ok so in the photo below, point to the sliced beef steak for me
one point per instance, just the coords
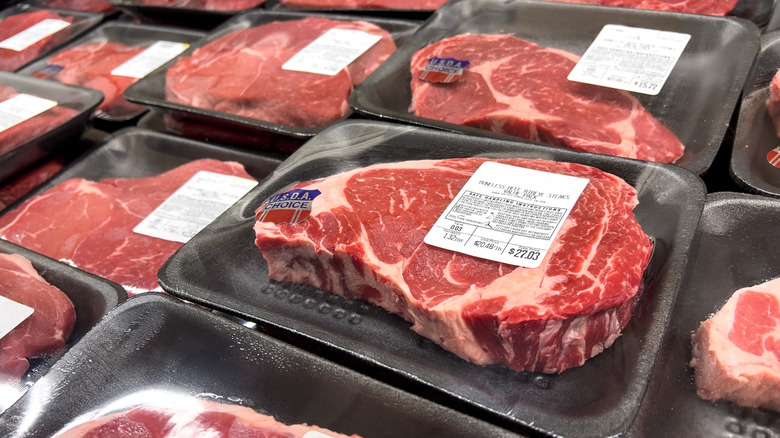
(44, 122)
(90, 65)
(364, 239)
(90, 224)
(517, 88)
(45, 331)
(241, 73)
(195, 418)
(706, 7)
(20, 185)
(736, 353)
(80, 5)
(11, 60)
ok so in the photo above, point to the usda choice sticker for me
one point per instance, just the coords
(630, 58)
(291, 206)
(507, 214)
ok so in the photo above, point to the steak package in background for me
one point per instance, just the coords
(39, 118)
(101, 6)
(66, 304)
(26, 33)
(243, 75)
(109, 213)
(410, 5)
(214, 5)
(755, 155)
(545, 72)
(110, 59)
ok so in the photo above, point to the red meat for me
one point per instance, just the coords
(19, 186)
(11, 60)
(517, 88)
(217, 5)
(90, 224)
(241, 73)
(80, 5)
(90, 65)
(45, 331)
(706, 7)
(736, 353)
(34, 127)
(364, 239)
(365, 4)
(195, 418)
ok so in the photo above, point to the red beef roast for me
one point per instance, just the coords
(705, 7)
(364, 239)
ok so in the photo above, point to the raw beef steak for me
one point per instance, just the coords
(773, 102)
(241, 73)
(707, 7)
(44, 122)
(365, 4)
(90, 65)
(736, 353)
(90, 224)
(364, 239)
(517, 88)
(11, 60)
(80, 5)
(195, 418)
(45, 331)
(216, 5)
(19, 186)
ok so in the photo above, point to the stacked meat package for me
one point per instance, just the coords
(344, 218)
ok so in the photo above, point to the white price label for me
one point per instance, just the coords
(332, 51)
(22, 107)
(507, 214)
(630, 58)
(33, 34)
(12, 314)
(150, 59)
(193, 206)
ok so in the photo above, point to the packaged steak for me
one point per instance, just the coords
(47, 316)
(39, 119)
(26, 33)
(100, 236)
(215, 5)
(193, 417)
(242, 73)
(283, 72)
(101, 6)
(595, 90)
(341, 260)
(110, 59)
(429, 5)
(123, 224)
(736, 352)
(49, 307)
(755, 158)
(18, 186)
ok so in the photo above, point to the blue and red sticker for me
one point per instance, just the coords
(48, 71)
(773, 157)
(443, 70)
(291, 206)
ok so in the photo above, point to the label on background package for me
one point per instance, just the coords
(22, 107)
(12, 314)
(507, 214)
(773, 157)
(291, 206)
(193, 206)
(630, 58)
(443, 70)
(150, 59)
(33, 34)
(332, 51)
